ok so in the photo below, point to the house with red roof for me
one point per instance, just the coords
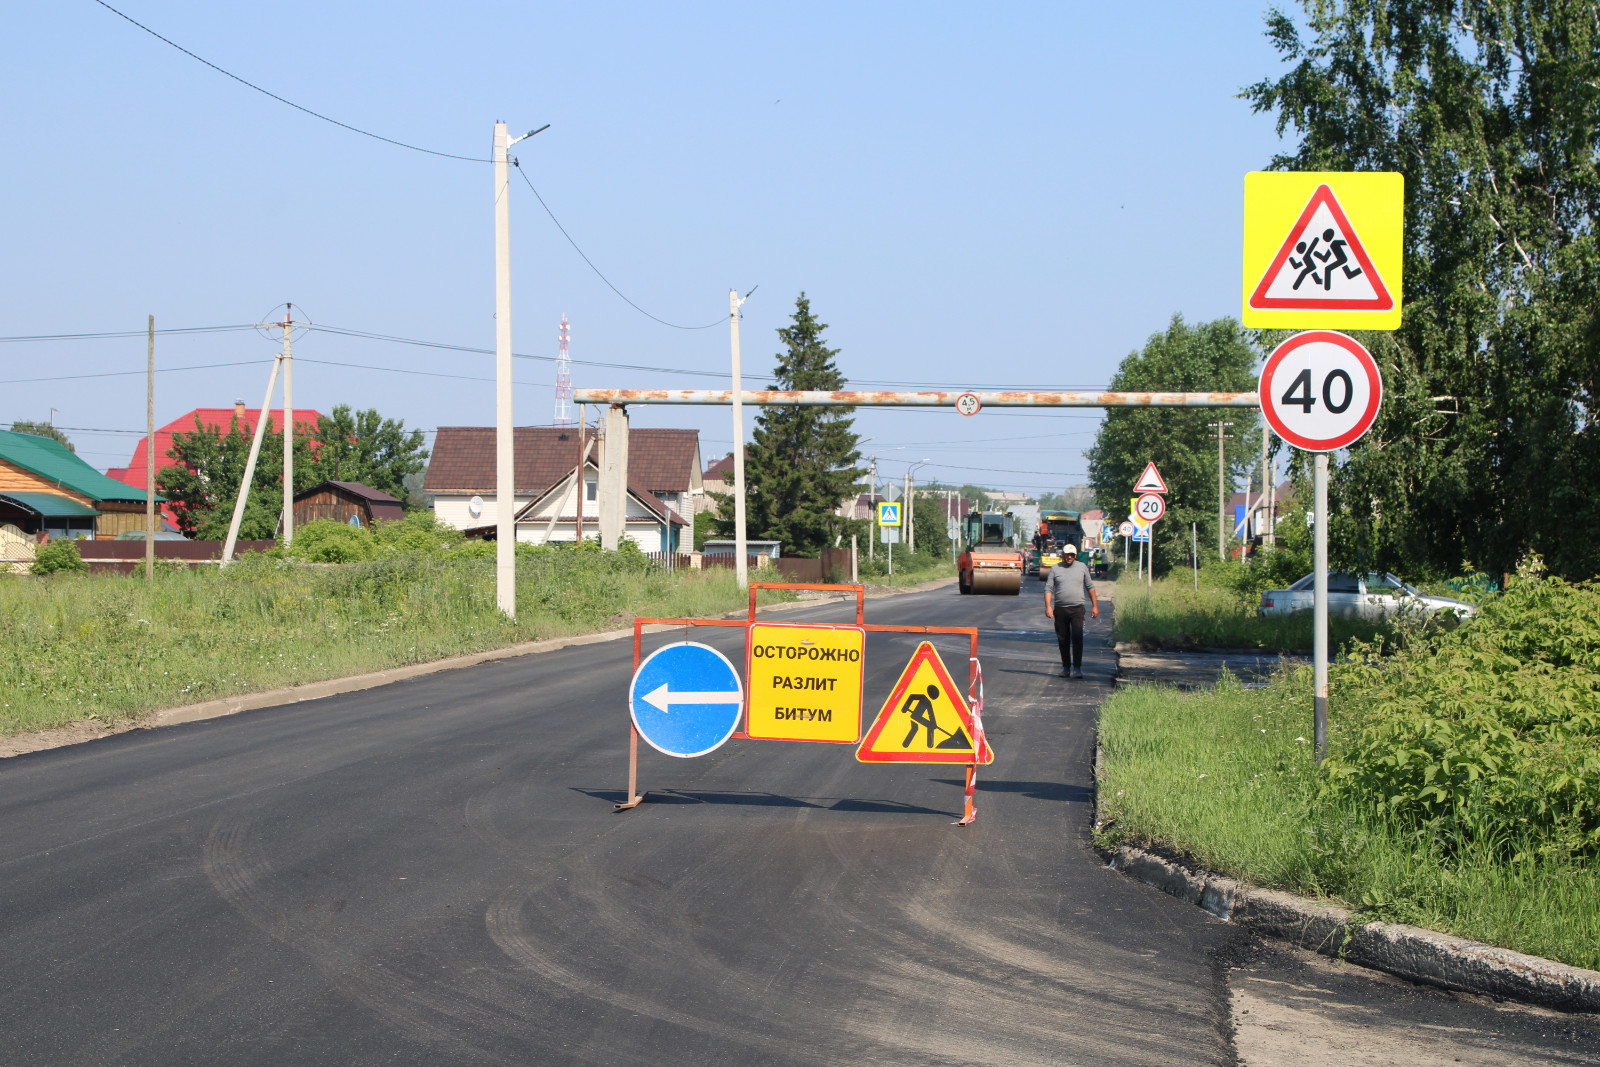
(135, 473)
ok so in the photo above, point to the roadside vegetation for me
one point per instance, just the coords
(1461, 791)
(1222, 613)
(111, 647)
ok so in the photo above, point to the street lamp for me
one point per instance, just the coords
(910, 505)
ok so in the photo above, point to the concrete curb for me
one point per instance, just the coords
(273, 698)
(1410, 952)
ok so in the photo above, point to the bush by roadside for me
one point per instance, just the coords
(1460, 792)
(58, 557)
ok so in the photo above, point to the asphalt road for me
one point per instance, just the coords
(432, 872)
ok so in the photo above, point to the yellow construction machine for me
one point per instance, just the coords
(992, 563)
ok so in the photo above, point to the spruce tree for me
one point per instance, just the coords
(802, 464)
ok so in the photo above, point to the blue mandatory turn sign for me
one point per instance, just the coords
(686, 699)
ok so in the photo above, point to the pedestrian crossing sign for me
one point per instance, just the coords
(889, 514)
(1323, 250)
(925, 719)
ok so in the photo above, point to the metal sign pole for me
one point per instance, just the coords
(1319, 616)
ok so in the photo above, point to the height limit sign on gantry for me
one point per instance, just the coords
(1323, 250)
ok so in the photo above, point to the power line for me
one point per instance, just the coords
(126, 333)
(394, 339)
(126, 373)
(715, 322)
(281, 100)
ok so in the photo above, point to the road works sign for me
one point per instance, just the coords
(686, 699)
(889, 514)
(925, 719)
(805, 682)
(1150, 481)
(1150, 507)
(1323, 249)
(1320, 390)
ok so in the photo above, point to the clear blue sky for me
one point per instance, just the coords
(971, 195)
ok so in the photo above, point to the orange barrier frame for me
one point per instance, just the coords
(974, 678)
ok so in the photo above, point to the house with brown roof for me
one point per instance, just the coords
(347, 502)
(665, 487)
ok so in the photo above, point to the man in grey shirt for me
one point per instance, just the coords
(1065, 591)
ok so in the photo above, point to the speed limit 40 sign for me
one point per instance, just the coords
(1320, 390)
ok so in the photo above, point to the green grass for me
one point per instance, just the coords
(110, 648)
(1227, 778)
(1173, 614)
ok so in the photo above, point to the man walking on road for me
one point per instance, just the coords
(1064, 594)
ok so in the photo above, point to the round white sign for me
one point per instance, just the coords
(1126, 529)
(1320, 390)
(967, 404)
(1150, 507)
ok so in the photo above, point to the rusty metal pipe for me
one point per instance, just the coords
(926, 399)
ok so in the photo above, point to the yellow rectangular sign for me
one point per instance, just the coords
(804, 682)
(1323, 250)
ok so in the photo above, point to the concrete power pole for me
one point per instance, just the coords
(741, 562)
(150, 455)
(505, 490)
(1222, 494)
(872, 509)
(288, 423)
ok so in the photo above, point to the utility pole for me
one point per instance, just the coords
(1222, 493)
(741, 563)
(250, 464)
(150, 455)
(872, 508)
(906, 518)
(288, 424)
(505, 490)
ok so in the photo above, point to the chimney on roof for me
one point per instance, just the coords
(238, 408)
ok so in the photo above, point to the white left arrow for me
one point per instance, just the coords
(662, 700)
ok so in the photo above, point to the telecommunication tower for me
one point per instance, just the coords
(563, 381)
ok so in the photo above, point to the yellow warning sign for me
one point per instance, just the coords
(804, 682)
(1323, 250)
(925, 719)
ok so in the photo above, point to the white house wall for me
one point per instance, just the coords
(451, 509)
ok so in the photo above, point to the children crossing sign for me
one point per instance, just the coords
(925, 719)
(1323, 249)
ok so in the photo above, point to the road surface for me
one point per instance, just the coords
(432, 872)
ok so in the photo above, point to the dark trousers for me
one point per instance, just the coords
(1069, 635)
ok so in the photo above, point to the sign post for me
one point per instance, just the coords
(889, 529)
(1320, 391)
(1323, 251)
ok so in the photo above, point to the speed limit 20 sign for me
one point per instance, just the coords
(1320, 390)
(1149, 508)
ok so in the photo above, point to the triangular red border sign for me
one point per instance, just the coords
(1379, 301)
(1150, 481)
(870, 751)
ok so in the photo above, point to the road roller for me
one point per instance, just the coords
(992, 563)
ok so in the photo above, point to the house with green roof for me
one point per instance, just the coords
(46, 488)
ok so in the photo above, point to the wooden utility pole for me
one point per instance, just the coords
(1222, 492)
(150, 455)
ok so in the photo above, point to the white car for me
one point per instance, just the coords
(1375, 595)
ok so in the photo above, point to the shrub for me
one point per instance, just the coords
(59, 557)
(1486, 735)
(331, 541)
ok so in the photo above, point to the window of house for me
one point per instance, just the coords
(591, 490)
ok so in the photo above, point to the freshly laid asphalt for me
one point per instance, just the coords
(432, 872)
